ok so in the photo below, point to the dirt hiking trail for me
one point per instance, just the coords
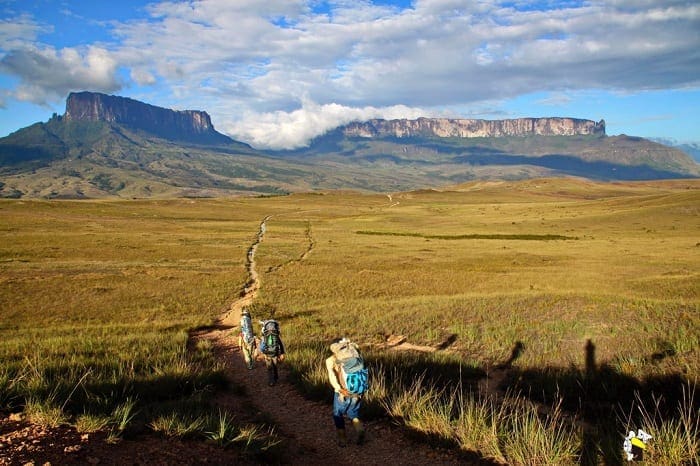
(305, 427)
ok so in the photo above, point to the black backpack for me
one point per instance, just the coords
(271, 337)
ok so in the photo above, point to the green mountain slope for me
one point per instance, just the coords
(92, 159)
(460, 159)
(95, 159)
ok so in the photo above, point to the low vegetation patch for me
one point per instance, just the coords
(523, 237)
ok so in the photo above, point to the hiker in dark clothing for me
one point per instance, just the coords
(272, 349)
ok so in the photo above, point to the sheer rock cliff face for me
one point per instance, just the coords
(446, 128)
(187, 125)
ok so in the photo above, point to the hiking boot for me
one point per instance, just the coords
(342, 438)
(360, 429)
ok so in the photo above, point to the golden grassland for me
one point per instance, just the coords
(628, 279)
(100, 295)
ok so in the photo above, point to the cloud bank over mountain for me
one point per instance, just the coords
(292, 130)
(277, 73)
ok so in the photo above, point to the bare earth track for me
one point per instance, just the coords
(305, 427)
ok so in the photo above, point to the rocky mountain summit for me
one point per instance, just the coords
(470, 128)
(184, 125)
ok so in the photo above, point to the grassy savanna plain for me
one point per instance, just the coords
(578, 300)
(96, 303)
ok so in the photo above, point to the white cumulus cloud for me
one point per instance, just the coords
(294, 129)
(48, 74)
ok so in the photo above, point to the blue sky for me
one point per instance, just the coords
(277, 73)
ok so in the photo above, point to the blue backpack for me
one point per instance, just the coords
(247, 330)
(353, 373)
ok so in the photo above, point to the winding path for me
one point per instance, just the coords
(250, 291)
(305, 427)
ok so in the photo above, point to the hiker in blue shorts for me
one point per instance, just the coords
(348, 376)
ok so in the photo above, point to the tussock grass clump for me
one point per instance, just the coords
(510, 430)
(675, 440)
(224, 431)
(250, 438)
(123, 414)
(91, 422)
(219, 428)
(532, 438)
(45, 412)
(477, 426)
(178, 425)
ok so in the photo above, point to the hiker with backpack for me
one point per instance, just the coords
(246, 339)
(348, 376)
(271, 348)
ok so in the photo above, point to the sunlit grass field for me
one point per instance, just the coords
(97, 297)
(97, 300)
(628, 278)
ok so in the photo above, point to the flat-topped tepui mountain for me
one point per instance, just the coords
(471, 128)
(115, 146)
(193, 126)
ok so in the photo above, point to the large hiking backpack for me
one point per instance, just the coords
(271, 337)
(247, 329)
(353, 374)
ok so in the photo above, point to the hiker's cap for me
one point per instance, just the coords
(339, 344)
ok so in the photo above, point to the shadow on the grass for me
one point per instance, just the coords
(603, 398)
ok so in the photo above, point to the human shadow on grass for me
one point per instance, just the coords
(449, 341)
(515, 353)
(404, 369)
(603, 398)
(217, 326)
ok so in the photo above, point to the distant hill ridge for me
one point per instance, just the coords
(184, 125)
(470, 128)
